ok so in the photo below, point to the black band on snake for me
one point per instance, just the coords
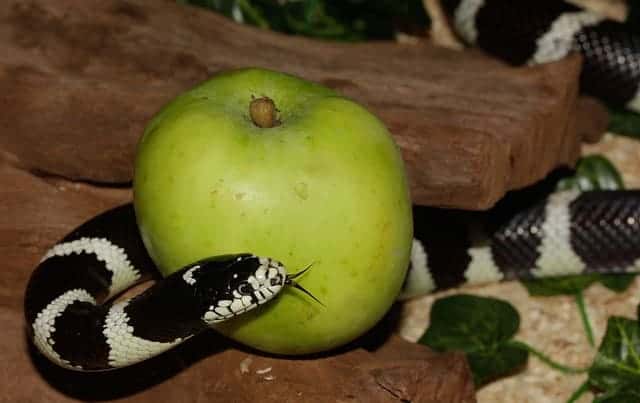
(73, 321)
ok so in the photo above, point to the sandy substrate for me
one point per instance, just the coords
(550, 324)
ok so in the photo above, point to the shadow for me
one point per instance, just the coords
(382, 331)
(371, 340)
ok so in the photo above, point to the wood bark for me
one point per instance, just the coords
(89, 74)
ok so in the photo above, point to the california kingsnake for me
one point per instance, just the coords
(566, 234)
(541, 31)
(105, 256)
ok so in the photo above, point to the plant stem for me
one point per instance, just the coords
(585, 318)
(579, 392)
(547, 360)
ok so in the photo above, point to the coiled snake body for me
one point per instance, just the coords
(541, 31)
(105, 256)
(567, 233)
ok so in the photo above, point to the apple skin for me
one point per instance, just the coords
(327, 186)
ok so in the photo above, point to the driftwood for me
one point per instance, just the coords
(91, 73)
(37, 211)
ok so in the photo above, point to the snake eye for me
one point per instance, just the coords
(274, 281)
(245, 288)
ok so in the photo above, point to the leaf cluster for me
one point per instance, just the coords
(480, 327)
(571, 285)
(593, 172)
(625, 122)
(345, 20)
(484, 327)
(616, 369)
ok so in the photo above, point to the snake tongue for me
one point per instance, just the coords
(298, 274)
(292, 283)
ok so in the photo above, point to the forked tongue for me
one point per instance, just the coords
(290, 281)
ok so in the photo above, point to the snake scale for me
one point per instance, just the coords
(69, 308)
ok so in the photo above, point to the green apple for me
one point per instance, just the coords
(319, 181)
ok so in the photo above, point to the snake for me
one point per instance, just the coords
(75, 322)
(567, 233)
(543, 31)
(78, 319)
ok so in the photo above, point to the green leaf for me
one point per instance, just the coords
(570, 285)
(625, 394)
(470, 323)
(617, 364)
(617, 282)
(593, 172)
(624, 122)
(345, 20)
(565, 285)
(503, 360)
(481, 327)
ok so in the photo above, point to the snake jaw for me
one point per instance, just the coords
(252, 281)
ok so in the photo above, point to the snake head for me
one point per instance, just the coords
(234, 284)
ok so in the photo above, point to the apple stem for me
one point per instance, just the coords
(263, 112)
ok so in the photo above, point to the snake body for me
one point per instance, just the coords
(70, 324)
(567, 233)
(73, 320)
(541, 31)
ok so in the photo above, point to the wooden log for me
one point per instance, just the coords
(36, 212)
(79, 79)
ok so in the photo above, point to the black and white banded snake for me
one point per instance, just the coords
(567, 233)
